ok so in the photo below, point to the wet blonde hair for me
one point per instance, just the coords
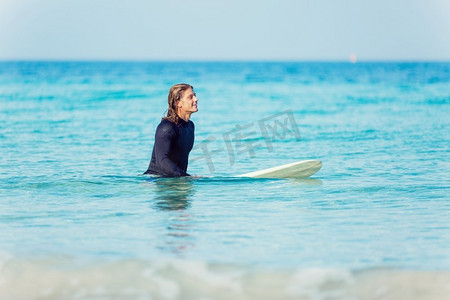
(175, 94)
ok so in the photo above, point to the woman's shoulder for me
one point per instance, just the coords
(167, 126)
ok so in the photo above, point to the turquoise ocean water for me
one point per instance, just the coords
(79, 221)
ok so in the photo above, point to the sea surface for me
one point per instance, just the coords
(78, 220)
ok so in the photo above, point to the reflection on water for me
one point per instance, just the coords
(173, 193)
(307, 181)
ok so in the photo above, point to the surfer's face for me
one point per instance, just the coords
(188, 102)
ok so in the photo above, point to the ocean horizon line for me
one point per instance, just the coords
(312, 61)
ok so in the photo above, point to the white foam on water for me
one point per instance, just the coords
(62, 278)
(320, 283)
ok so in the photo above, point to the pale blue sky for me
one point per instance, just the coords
(225, 30)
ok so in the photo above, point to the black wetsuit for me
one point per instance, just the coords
(171, 150)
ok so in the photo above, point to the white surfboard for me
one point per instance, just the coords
(299, 169)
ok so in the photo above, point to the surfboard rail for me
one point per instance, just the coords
(299, 169)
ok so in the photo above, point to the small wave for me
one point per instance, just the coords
(62, 278)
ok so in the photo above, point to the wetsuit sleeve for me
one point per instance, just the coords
(164, 138)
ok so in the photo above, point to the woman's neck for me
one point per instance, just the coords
(184, 115)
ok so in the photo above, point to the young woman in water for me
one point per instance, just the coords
(174, 136)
